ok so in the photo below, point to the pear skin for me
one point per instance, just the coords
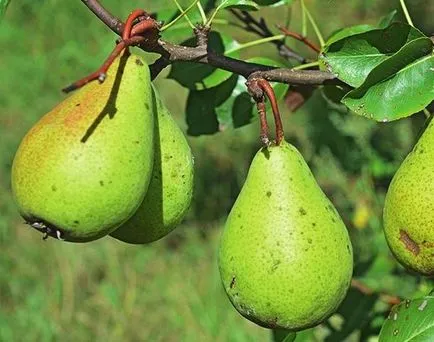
(84, 168)
(170, 191)
(285, 256)
(409, 207)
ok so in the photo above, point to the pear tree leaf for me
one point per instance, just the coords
(353, 57)
(247, 5)
(273, 3)
(410, 321)
(357, 29)
(201, 107)
(197, 76)
(399, 86)
(348, 32)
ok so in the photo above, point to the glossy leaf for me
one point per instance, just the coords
(400, 86)
(247, 5)
(410, 321)
(353, 57)
(273, 3)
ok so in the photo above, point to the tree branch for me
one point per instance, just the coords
(171, 53)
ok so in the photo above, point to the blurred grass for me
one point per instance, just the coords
(170, 290)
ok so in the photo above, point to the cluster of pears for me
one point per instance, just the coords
(285, 257)
(409, 207)
(107, 160)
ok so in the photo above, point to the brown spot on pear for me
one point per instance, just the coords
(409, 208)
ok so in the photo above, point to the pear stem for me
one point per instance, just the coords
(131, 35)
(268, 90)
(260, 105)
(101, 73)
(126, 33)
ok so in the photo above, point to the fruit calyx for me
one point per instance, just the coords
(47, 229)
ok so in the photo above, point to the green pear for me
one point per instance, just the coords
(285, 256)
(409, 207)
(84, 168)
(170, 191)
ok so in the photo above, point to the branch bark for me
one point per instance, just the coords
(171, 53)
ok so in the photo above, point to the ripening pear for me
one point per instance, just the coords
(170, 191)
(285, 256)
(84, 168)
(409, 207)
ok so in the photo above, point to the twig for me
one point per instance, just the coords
(299, 37)
(260, 28)
(174, 53)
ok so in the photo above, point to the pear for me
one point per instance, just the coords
(409, 207)
(285, 257)
(84, 168)
(170, 191)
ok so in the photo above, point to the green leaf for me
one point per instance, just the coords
(247, 5)
(201, 107)
(352, 58)
(399, 86)
(239, 109)
(348, 32)
(387, 19)
(412, 321)
(3, 5)
(290, 337)
(198, 76)
(273, 3)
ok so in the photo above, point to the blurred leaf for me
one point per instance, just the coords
(399, 86)
(387, 19)
(290, 337)
(357, 311)
(3, 5)
(412, 320)
(201, 107)
(198, 76)
(246, 5)
(353, 57)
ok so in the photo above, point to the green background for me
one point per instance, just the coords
(170, 290)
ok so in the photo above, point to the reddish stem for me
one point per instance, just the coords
(268, 90)
(263, 120)
(299, 37)
(126, 33)
(143, 26)
(100, 74)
